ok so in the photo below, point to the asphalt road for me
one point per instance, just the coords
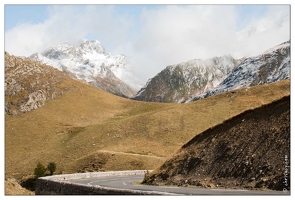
(132, 182)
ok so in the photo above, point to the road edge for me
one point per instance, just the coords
(59, 185)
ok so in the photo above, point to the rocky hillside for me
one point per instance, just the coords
(92, 63)
(178, 82)
(29, 84)
(270, 66)
(251, 150)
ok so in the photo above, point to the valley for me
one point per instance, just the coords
(51, 117)
(88, 122)
(147, 97)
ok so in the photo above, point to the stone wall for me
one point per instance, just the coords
(58, 185)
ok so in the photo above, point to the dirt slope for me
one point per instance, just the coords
(251, 150)
(12, 187)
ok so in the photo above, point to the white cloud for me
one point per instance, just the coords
(180, 33)
(168, 35)
(266, 32)
(65, 24)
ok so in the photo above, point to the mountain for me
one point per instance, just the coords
(92, 63)
(178, 82)
(196, 79)
(271, 66)
(250, 150)
(29, 84)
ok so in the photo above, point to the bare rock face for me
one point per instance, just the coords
(36, 99)
(29, 84)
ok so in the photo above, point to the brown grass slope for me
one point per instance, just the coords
(73, 129)
(250, 150)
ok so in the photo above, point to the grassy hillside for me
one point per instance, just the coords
(86, 129)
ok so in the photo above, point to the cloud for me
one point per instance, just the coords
(66, 24)
(155, 38)
(263, 33)
(179, 33)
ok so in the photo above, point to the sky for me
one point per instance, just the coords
(151, 36)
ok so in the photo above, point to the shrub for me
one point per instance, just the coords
(51, 167)
(40, 170)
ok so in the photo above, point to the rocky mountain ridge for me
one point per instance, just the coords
(271, 66)
(92, 63)
(178, 82)
(196, 79)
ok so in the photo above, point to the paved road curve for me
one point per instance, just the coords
(132, 182)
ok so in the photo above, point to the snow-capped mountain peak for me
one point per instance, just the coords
(90, 62)
(93, 46)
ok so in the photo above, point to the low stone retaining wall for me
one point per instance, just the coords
(58, 185)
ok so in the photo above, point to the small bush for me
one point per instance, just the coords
(40, 170)
(51, 167)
